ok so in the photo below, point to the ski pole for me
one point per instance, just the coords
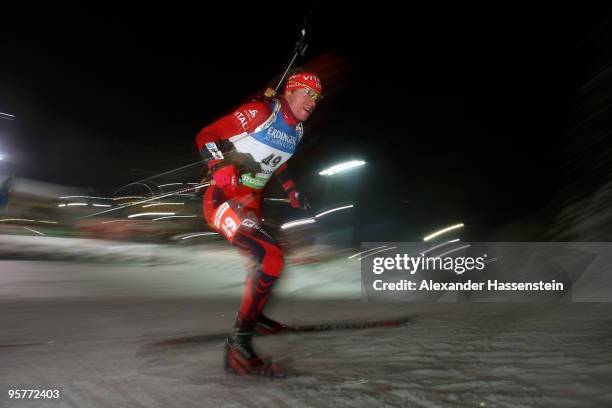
(183, 190)
(169, 172)
(281, 200)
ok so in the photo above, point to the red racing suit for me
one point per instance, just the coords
(259, 137)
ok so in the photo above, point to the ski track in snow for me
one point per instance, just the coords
(152, 351)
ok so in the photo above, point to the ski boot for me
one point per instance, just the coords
(240, 358)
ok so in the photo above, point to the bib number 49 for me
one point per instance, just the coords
(272, 160)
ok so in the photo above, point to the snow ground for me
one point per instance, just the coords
(151, 335)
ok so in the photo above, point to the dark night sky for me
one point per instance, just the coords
(463, 108)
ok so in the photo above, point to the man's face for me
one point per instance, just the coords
(301, 101)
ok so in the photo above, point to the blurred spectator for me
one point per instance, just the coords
(5, 189)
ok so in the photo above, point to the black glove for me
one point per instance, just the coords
(243, 161)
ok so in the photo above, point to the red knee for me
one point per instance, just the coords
(273, 262)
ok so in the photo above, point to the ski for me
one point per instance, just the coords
(314, 328)
(305, 328)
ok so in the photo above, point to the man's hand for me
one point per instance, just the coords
(298, 200)
(226, 178)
